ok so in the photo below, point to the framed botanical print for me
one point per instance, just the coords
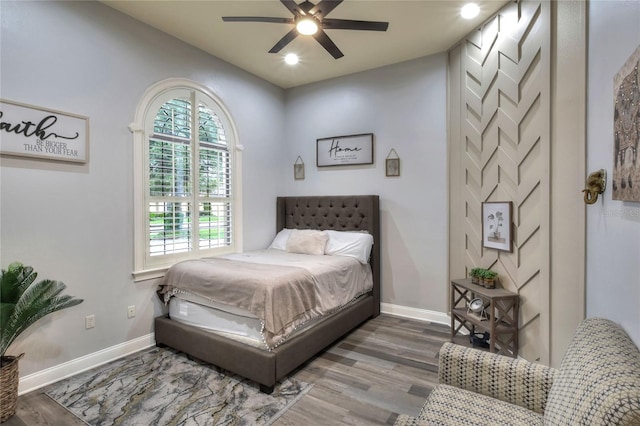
(496, 225)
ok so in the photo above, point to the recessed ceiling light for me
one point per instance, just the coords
(291, 58)
(307, 26)
(469, 11)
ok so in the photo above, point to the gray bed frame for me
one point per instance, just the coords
(341, 213)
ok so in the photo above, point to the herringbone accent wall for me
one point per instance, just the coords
(504, 155)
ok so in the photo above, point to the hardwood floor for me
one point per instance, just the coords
(384, 368)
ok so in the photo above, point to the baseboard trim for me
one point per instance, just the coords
(415, 313)
(43, 378)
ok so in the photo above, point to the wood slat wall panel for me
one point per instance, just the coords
(501, 100)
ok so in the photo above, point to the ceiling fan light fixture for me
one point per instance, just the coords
(291, 59)
(307, 26)
(469, 11)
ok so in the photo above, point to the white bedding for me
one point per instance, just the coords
(244, 327)
(338, 281)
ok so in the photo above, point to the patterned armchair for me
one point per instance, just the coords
(598, 383)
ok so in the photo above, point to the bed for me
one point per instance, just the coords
(266, 367)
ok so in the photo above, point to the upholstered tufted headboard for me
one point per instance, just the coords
(340, 213)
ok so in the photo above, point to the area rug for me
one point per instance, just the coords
(160, 386)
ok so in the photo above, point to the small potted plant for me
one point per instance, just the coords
(489, 278)
(23, 302)
(475, 273)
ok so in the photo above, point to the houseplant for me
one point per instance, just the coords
(489, 278)
(475, 273)
(22, 303)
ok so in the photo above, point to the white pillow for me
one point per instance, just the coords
(351, 244)
(307, 241)
(280, 241)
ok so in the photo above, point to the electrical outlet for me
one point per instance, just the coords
(131, 311)
(89, 321)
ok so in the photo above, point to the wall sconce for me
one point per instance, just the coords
(596, 184)
(298, 169)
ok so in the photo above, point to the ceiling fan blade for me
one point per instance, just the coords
(284, 41)
(293, 7)
(257, 19)
(328, 44)
(324, 7)
(349, 24)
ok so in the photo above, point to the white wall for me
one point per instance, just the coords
(74, 222)
(613, 227)
(404, 105)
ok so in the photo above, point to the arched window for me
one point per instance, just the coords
(187, 177)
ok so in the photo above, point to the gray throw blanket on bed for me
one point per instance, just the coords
(281, 296)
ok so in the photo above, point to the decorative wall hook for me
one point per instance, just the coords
(596, 184)
(298, 169)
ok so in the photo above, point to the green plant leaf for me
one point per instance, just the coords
(14, 281)
(36, 301)
(6, 310)
(10, 284)
(27, 276)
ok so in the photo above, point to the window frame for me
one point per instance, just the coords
(147, 266)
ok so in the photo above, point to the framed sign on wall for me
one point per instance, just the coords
(392, 164)
(345, 150)
(298, 169)
(30, 131)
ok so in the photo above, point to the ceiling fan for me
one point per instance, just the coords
(310, 19)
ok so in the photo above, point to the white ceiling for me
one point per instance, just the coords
(416, 28)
